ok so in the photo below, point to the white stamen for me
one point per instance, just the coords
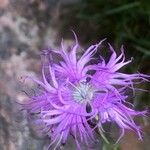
(83, 93)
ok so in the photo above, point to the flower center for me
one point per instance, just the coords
(83, 93)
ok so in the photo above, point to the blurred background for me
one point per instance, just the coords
(28, 26)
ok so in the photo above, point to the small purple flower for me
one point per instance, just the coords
(77, 97)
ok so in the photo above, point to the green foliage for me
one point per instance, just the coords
(110, 147)
(121, 21)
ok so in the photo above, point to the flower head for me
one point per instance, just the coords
(75, 93)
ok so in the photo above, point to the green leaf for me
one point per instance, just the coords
(103, 136)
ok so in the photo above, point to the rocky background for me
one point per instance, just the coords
(26, 27)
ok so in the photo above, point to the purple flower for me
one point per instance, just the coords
(77, 97)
